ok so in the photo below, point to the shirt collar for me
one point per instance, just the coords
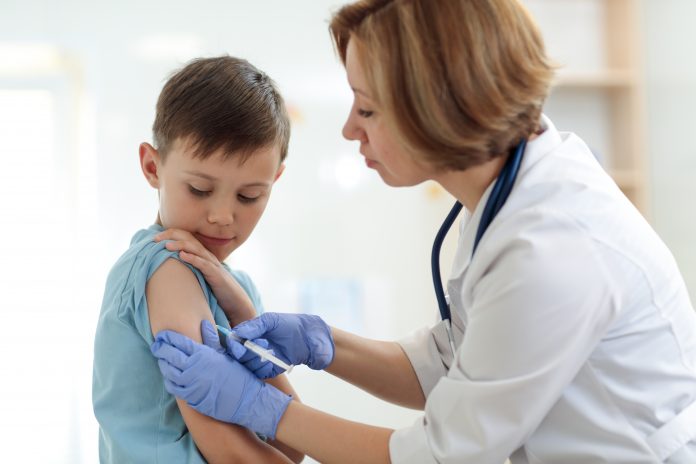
(536, 149)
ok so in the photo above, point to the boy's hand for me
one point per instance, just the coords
(230, 295)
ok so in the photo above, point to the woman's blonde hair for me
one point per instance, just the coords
(461, 81)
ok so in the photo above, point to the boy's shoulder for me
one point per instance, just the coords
(142, 238)
(143, 255)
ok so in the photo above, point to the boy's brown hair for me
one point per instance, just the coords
(221, 103)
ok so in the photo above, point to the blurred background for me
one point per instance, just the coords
(78, 84)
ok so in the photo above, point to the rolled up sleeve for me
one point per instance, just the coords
(430, 354)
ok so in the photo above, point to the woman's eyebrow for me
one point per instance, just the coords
(361, 92)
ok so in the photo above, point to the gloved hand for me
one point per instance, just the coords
(262, 368)
(295, 338)
(215, 384)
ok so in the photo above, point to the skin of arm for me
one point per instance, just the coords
(330, 439)
(281, 383)
(380, 368)
(176, 302)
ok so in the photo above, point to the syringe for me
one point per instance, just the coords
(254, 348)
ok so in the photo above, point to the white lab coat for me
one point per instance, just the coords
(575, 336)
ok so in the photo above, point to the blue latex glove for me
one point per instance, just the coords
(262, 368)
(295, 338)
(215, 384)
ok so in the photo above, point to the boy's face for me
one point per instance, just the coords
(218, 200)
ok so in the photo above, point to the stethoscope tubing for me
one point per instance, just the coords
(499, 195)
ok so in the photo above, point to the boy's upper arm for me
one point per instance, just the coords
(176, 301)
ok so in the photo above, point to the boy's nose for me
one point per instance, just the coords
(222, 215)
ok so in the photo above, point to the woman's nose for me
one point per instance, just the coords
(351, 129)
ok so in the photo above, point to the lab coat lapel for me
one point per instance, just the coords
(467, 235)
(462, 259)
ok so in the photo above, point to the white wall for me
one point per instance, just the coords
(347, 231)
(330, 224)
(670, 39)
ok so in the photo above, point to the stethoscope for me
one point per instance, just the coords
(496, 200)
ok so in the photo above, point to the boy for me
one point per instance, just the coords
(220, 137)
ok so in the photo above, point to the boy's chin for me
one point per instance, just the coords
(221, 255)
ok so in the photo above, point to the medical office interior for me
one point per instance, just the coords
(78, 85)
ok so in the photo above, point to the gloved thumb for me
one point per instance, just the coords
(210, 336)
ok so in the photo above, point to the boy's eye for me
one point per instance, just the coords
(247, 199)
(198, 193)
(364, 113)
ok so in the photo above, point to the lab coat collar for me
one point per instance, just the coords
(536, 149)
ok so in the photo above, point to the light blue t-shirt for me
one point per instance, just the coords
(139, 421)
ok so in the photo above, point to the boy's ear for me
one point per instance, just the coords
(281, 168)
(149, 163)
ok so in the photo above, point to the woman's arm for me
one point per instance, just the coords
(281, 383)
(225, 389)
(176, 301)
(330, 439)
(380, 368)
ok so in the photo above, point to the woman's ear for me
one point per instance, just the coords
(149, 163)
(281, 168)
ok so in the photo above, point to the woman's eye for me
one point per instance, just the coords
(364, 113)
(198, 193)
(247, 199)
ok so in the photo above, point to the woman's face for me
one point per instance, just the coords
(379, 143)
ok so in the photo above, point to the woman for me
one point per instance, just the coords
(572, 336)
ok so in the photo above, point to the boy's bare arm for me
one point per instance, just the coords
(231, 297)
(176, 302)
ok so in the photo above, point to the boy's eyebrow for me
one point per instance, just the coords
(212, 178)
(201, 174)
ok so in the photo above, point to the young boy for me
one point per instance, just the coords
(220, 137)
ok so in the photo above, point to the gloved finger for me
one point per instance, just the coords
(169, 353)
(265, 371)
(254, 362)
(174, 389)
(248, 355)
(210, 336)
(237, 350)
(201, 366)
(262, 342)
(169, 372)
(257, 327)
(182, 342)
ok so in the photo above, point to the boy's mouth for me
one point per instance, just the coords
(214, 241)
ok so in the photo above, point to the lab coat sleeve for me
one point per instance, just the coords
(430, 354)
(541, 300)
